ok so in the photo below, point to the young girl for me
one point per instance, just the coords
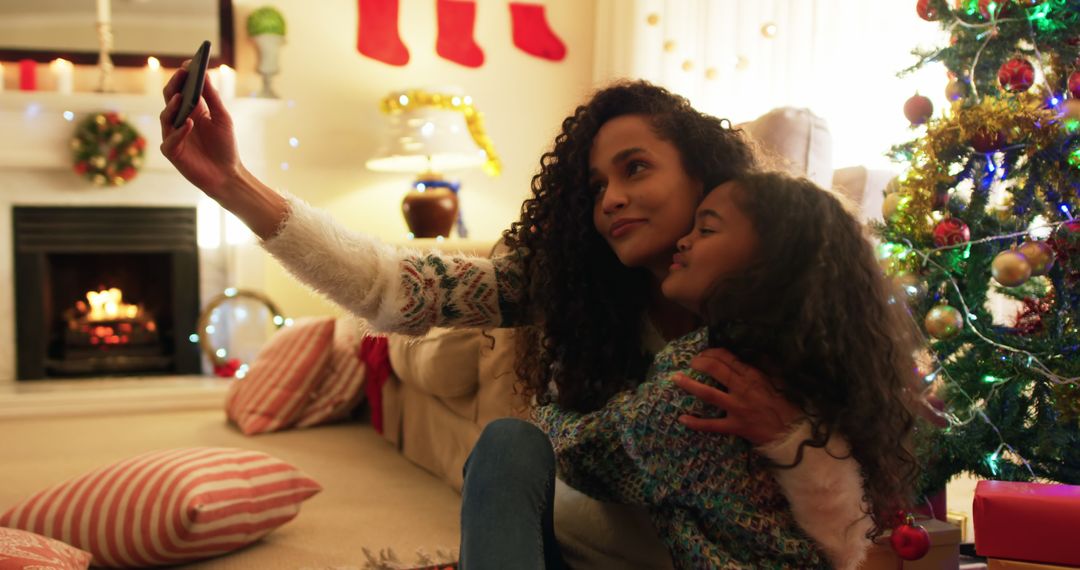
(785, 279)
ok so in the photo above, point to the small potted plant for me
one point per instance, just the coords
(266, 27)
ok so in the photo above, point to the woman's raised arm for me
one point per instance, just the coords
(204, 151)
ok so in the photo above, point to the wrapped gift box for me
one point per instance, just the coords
(1033, 522)
(944, 550)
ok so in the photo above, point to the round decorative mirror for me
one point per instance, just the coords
(234, 326)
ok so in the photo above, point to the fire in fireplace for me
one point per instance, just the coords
(105, 291)
(104, 332)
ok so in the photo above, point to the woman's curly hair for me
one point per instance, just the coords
(816, 314)
(589, 307)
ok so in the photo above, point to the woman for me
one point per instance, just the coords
(582, 280)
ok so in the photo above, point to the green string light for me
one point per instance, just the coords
(992, 463)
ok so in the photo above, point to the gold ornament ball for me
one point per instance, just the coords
(97, 161)
(1039, 255)
(943, 322)
(1010, 268)
(890, 205)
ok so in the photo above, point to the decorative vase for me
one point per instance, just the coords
(430, 212)
(268, 46)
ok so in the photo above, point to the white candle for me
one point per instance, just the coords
(226, 84)
(64, 72)
(103, 11)
(152, 76)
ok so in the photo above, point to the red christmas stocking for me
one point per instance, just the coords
(378, 32)
(532, 34)
(456, 43)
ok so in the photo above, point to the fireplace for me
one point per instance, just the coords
(105, 291)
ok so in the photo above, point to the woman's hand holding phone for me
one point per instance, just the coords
(203, 148)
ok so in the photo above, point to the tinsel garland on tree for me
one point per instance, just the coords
(982, 214)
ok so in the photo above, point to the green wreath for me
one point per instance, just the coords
(108, 150)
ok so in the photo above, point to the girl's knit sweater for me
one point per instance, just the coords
(406, 291)
(713, 499)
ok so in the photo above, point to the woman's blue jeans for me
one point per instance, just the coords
(508, 500)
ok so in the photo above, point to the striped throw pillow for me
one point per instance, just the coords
(22, 549)
(342, 386)
(283, 377)
(168, 507)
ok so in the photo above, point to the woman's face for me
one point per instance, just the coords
(645, 200)
(723, 243)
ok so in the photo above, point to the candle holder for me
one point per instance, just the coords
(105, 64)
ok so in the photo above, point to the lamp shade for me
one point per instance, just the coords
(427, 138)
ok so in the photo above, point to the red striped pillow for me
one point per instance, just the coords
(281, 380)
(168, 507)
(342, 386)
(21, 549)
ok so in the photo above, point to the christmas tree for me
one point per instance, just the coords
(979, 232)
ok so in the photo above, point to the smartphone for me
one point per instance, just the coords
(193, 85)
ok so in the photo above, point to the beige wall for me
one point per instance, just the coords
(336, 92)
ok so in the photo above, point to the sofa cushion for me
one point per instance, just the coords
(341, 388)
(442, 363)
(798, 139)
(284, 376)
(22, 549)
(168, 507)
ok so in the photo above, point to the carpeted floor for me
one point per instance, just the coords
(373, 497)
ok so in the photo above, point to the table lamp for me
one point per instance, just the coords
(429, 133)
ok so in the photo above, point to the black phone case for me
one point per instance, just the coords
(193, 85)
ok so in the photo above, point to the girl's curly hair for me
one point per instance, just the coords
(816, 314)
(589, 307)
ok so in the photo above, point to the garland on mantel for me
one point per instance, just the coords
(107, 149)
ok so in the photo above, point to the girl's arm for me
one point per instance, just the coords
(825, 492)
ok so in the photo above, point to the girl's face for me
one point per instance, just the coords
(644, 199)
(723, 243)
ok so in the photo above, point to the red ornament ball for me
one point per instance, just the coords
(918, 109)
(926, 11)
(1074, 84)
(986, 141)
(1016, 75)
(951, 231)
(910, 541)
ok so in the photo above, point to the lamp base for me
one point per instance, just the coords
(430, 212)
